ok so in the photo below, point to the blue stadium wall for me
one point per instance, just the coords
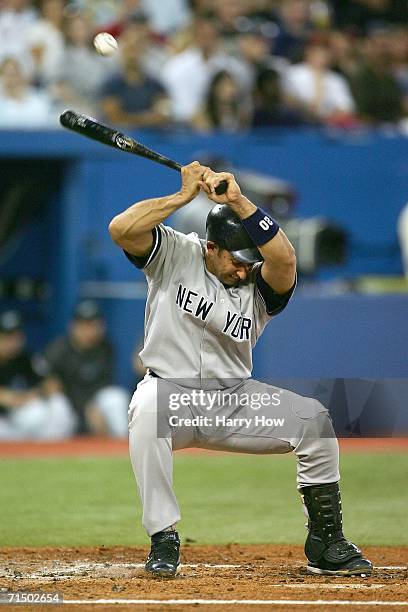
(359, 180)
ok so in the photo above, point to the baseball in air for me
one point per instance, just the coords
(105, 44)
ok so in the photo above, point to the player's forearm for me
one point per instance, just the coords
(143, 216)
(278, 251)
(132, 228)
(279, 267)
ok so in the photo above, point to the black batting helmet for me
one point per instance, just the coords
(224, 227)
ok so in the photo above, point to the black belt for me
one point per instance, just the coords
(153, 374)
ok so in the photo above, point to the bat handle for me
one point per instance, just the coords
(222, 187)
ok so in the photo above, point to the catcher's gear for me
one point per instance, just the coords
(326, 548)
(224, 227)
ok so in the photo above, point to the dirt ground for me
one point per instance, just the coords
(245, 576)
(232, 573)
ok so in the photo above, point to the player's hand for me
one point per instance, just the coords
(212, 179)
(191, 177)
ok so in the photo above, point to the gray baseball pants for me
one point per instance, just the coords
(294, 423)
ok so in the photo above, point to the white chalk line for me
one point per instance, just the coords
(78, 568)
(323, 586)
(90, 565)
(224, 602)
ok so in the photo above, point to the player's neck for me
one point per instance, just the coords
(209, 264)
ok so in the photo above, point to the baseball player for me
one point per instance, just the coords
(208, 302)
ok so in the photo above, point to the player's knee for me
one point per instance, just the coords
(319, 433)
(308, 408)
(315, 420)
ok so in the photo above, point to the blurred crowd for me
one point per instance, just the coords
(230, 65)
(69, 388)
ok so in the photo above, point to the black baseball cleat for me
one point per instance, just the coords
(341, 558)
(164, 558)
(326, 548)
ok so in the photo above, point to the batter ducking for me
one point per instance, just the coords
(208, 303)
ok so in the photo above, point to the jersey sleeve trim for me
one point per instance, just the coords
(143, 262)
(274, 302)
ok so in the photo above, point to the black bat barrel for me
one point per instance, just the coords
(87, 126)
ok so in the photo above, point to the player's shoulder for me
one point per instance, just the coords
(191, 240)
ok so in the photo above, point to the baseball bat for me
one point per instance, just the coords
(87, 126)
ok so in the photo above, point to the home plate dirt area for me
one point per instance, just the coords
(232, 577)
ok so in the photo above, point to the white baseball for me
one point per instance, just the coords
(105, 44)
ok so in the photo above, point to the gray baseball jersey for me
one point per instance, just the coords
(195, 327)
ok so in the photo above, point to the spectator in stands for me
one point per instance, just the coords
(294, 22)
(22, 106)
(128, 10)
(345, 53)
(82, 71)
(259, 10)
(184, 37)
(27, 411)
(228, 13)
(187, 75)
(80, 365)
(321, 93)
(98, 12)
(200, 7)
(254, 45)
(272, 109)
(45, 41)
(16, 17)
(223, 110)
(377, 92)
(398, 49)
(166, 17)
(362, 14)
(137, 38)
(132, 98)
